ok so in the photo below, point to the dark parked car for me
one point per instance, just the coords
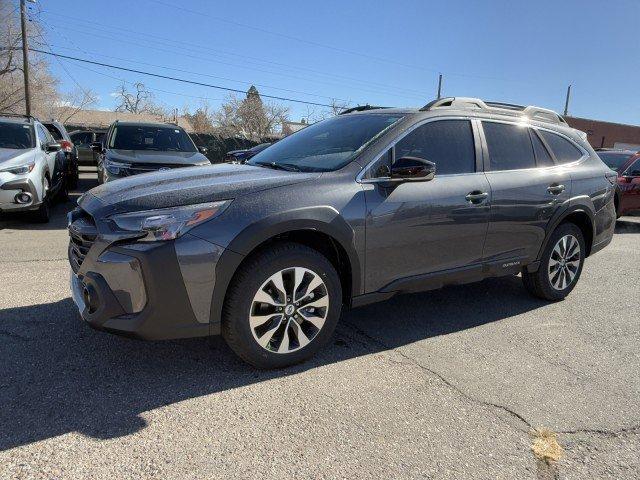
(349, 211)
(60, 135)
(130, 148)
(627, 165)
(83, 139)
(241, 156)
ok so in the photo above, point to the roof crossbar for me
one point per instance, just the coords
(359, 108)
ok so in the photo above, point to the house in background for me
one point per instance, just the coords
(101, 119)
(292, 127)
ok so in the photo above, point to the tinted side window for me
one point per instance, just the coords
(447, 143)
(543, 158)
(633, 169)
(42, 135)
(564, 150)
(509, 146)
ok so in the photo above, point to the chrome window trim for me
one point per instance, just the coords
(393, 143)
(585, 154)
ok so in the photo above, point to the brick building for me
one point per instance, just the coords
(608, 134)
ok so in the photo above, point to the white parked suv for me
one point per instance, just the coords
(31, 166)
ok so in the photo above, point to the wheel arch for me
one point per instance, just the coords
(322, 229)
(580, 215)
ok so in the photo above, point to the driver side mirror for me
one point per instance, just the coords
(203, 150)
(413, 169)
(52, 147)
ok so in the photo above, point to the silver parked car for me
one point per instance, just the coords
(31, 166)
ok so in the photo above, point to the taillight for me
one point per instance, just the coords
(66, 145)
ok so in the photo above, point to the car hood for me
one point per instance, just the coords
(153, 156)
(11, 156)
(188, 186)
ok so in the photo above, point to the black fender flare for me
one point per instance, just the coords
(322, 219)
(576, 205)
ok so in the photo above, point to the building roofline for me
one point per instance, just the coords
(603, 121)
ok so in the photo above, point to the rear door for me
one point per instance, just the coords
(527, 187)
(417, 228)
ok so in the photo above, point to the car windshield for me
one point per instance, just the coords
(16, 135)
(160, 138)
(615, 161)
(327, 145)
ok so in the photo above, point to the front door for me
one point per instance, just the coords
(527, 187)
(417, 228)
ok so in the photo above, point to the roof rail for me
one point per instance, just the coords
(359, 108)
(17, 115)
(467, 103)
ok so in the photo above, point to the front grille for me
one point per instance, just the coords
(136, 168)
(82, 234)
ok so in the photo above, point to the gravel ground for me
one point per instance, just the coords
(445, 384)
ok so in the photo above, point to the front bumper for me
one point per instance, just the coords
(152, 291)
(9, 190)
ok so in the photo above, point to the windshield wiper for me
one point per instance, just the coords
(279, 166)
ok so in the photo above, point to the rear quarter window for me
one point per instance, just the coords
(563, 149)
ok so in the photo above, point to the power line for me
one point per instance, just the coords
(176, 79)
(181, 43)
(289, 37)
(183, 54)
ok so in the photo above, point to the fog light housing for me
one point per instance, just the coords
(23, 198)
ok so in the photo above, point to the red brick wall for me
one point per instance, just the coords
(605, 134)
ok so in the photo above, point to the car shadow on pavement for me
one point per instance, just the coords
(58, 376)
(627, 226)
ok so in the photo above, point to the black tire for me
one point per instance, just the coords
(236, 329)
(538, 283)
(42, 215)
(72, 181)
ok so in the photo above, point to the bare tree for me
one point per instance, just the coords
(45, 96)
(250, 117)
(201, 119)
(139, 101)
(315, 114)
(72, 103)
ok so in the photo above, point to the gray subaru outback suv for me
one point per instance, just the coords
(349, 211)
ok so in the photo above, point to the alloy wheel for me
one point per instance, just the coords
(289, 310)
(564, 262)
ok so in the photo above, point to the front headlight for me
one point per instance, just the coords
(168, 223)
(115, 168)
(20, 169)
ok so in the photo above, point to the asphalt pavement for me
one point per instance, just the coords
(444, 384)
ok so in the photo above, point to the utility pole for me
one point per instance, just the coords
(439, 86)
(566, 103)
(25, 56)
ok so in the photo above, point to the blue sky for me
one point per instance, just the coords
(363, 51)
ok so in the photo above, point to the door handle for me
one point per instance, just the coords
(476, 196)
(555, 189)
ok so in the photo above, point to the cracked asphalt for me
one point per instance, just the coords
(444, 384)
